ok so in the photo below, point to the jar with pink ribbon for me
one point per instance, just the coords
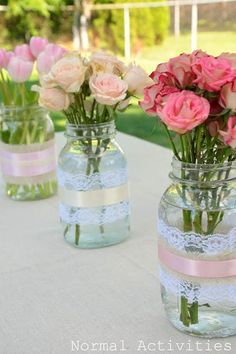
(27, 151)
(197, 248)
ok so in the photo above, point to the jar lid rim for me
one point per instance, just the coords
(176, 162)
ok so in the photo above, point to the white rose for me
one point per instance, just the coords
(108, 89)
(54, 99)
(103, 62)
(67, 73)
(137, 79)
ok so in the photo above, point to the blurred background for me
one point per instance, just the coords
(142, 31)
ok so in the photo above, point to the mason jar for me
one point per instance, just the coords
(197, 248)
(27, 152)
(93, 187)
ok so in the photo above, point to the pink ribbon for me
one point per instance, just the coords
(28, 164)
(197, 268)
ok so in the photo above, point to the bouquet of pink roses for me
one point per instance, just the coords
(194, 95)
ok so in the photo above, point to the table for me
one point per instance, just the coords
(55, 299)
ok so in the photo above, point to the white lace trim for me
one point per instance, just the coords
(211, 244)
(81, 182)
(94, 216)
(211, 292)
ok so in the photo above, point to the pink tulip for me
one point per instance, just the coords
(37, 45)
(23, 51)
(4, 58)
(51, 54)
(19, 69)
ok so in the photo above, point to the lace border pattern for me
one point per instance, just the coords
(212, 292)
(81, 182)
(93, 216)
(211, 244)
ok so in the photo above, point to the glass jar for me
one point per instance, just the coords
(27, 152)
(197, 248)
(93, 187)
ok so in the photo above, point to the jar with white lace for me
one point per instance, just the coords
(93, 187)
(197, 248)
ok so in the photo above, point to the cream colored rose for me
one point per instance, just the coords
(137, 79)
(54, 99)
(67, 73)
(103, 62)
(107, 88)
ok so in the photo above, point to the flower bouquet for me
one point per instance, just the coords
(92, 171)
(194, 98)
(27, 132)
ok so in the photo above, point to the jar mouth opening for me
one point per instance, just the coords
(15, 108)
(177, 164)
(22, 113)
(90, 126)
(91, 131)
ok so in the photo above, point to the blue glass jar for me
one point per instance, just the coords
(93, 187)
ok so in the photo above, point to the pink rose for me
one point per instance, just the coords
(160, 69)
(68, 73)
(229, 135)
(107, 88)
(155, 98)
(231, 57)
(184, 111)
(180, 68)
(23, 51)
(5, 58)
(53, 99)
(37, 45)
(156, 95)
(228, 96)
(51, 54)
(136, 78)
(212, 73)
(197, 54)
(165, 77)
(19, 69)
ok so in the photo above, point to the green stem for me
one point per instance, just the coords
(184, 314)
(77, 234)
(172, 142)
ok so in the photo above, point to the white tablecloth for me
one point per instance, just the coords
(55, 299)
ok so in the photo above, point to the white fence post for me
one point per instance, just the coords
(177, 19)
(194, 21)
(127, 32)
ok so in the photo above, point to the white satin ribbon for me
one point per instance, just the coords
(95, 198)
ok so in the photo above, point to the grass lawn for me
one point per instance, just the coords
(212, 42)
